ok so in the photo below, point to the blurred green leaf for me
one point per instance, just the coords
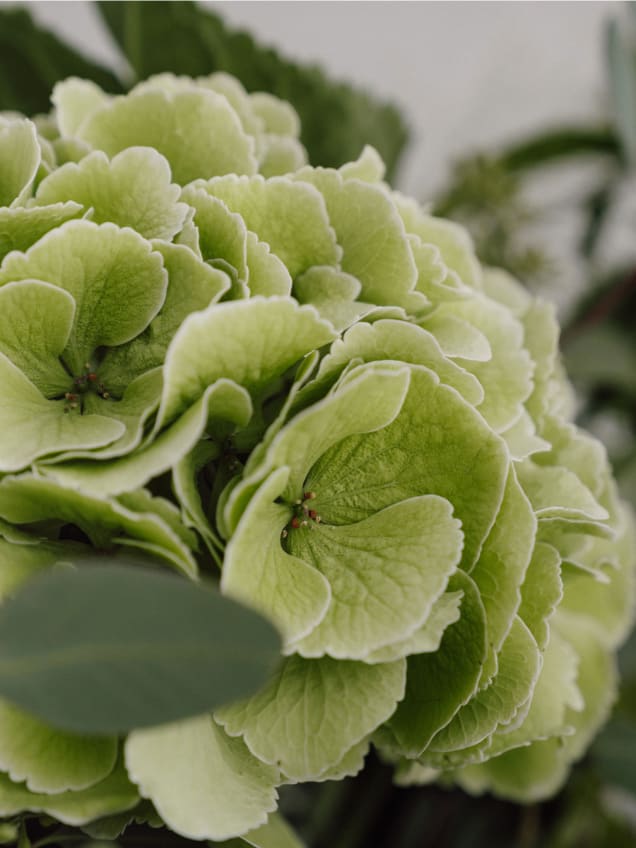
(626, 476)
(560, 143)
(596, 208)
(583, 818)
(182, 37)
(32, 60)
(614, 753)
(621, 59)
(104, 649)
(602, 354)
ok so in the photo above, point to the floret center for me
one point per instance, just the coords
(303, 515)
(88, 381)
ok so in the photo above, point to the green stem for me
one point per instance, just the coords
(568, 141)
(529, 827)
(543, 150)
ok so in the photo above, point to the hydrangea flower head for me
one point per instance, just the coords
(297, 380)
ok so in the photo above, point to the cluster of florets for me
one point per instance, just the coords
(297, 378)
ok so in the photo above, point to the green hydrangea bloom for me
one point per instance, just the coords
(217, 355)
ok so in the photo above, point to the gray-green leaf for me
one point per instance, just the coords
(105, 649)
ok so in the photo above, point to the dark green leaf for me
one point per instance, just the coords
(104, 649)
(337, 120)
(614, 753)
(559, 144)
(596, 209)
(602, 354)
(32, 60)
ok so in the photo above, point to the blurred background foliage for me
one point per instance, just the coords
(494, 194)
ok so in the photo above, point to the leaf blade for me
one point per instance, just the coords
(154, 649)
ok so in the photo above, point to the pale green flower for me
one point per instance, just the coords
(212, 352)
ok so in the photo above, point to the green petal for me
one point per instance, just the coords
(458, 338)
(541, 340)
(434, 444)
(258, 572)
(19, 159)
(368, 167)
(192, 285)
(74, 100)
(50, 760)
(314, 711)
(507, 375)
(290, 216)
(132, 190)
(27, 499)
(222, 83)
(223, 400)
(250, 342)
(142, 501)
(609, 605)
(368, 402)
(502, 287)
(204, 784)
(556, 492)
(117, 282)
(386, 572)
(69, 150)
(555, 693)
(222, 235)
(140, 400)
(438, 684)
(33, 427)
(577, 451)
(501, 567)
(541, 592)
(434, 279)
(351, 764)
(275, 833)
(536, 772)
(278, 155)
(453, 241)
(186, 490)
(267, 275)
(333, 293)
(427, 638)
(111, 795)
(278, 115)
(216, 142)
(371, 234)
(522, 439)
(36, 320)
(20, 227)
(519, 664)
(387, 339)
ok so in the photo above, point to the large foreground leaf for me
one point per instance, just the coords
(105, 649)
